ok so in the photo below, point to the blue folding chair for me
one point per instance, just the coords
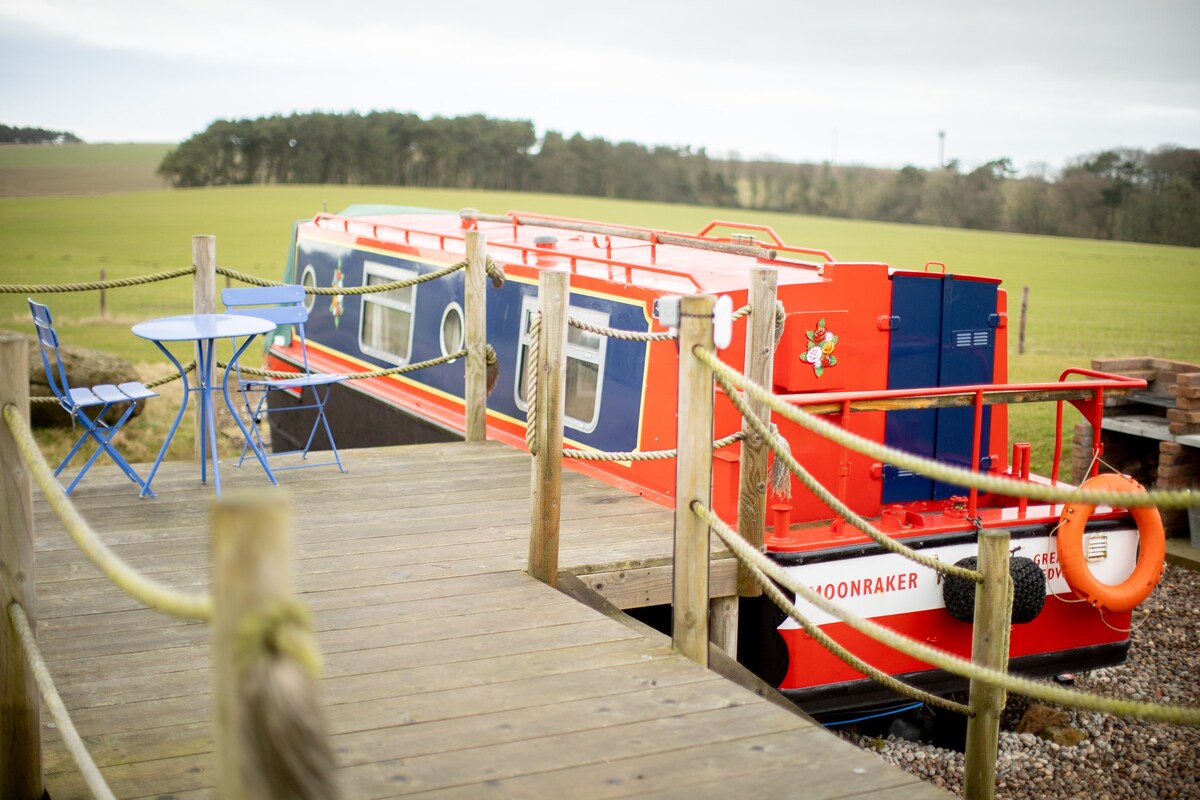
(283, 305)
(86, 406)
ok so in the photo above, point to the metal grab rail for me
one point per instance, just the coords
(1086, 396)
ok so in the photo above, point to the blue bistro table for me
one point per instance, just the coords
(204, 330)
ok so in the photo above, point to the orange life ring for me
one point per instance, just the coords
(1152, 551)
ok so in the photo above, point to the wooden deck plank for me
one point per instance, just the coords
(447, 670)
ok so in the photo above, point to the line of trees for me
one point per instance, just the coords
(11, 135)
(1125, 194)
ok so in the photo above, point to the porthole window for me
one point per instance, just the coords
(309, 281)
(452, 329)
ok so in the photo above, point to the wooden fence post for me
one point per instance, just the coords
(760, 352)
(475, 337)
(693, 480)
(251, 586)
(20, 704)
(989, 648)
(204, 301)
(550, 403)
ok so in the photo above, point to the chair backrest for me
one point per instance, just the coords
(48, 339)
(283, 305)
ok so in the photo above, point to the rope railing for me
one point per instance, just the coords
(1174, 499)
(353, 376)
(58, 710)
(146, 591)
(644, 455)
(91, 286)
(191, 365)
(494, 271)
(1037, 690)
(784, 455)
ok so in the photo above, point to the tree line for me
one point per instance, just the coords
(1127, 194)
(13, 135)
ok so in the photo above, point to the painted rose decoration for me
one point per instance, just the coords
(336, 307)
(821, 344)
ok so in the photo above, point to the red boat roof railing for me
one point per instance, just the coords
(1087, 396)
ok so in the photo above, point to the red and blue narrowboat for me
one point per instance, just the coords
(913, 358)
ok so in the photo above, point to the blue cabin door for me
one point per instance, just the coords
(943, 334)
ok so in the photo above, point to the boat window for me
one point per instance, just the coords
(452, 329)
(309, 281)
(584, 367)
(387, 317)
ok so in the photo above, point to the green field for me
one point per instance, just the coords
(1088, 299)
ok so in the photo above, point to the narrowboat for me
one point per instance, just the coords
(914, 358)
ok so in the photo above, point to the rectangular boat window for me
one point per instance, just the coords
(387, 317)
(584, 368)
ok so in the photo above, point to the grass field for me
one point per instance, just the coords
(1088, 299)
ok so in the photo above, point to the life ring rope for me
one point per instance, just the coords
(1152, 549)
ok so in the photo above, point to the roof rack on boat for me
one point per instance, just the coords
(738, 244)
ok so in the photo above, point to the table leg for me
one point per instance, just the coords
(208, 419)
(187, 389)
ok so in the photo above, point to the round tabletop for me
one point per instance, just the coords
(190, 327)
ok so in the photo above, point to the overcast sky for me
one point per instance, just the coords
(850, 82)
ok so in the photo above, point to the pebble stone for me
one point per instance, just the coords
(1121, 759)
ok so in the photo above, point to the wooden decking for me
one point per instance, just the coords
(448, 671)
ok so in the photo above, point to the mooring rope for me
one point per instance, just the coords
(784, 455)
(748, 554)
(1174, 499)
(133, 583)
(90, 286)
(58, 710)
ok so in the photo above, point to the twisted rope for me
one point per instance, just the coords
(66, 727)
(354, 376)
(643, 455)
(494, 271)
(784, 455)
(826, 641)
(89, 286)
(616, 333)
(1047, 693)
(127, 579)
(531, 381)
(1011, 487)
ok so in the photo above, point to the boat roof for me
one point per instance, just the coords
(717, 259)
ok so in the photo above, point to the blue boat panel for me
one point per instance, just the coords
(335, 323)
(913, 362)
(967, 357)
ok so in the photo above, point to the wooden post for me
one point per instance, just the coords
(20, 704)
(1021, 334)
(723, 623)
(252, 574)
(550, 402)
(475, 336)
(693, 480)
(103, 298)
(760, 352)
(989, 648)
(204, 301)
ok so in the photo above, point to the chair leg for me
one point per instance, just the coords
(255, 414)
(325, 421)
(103, 435)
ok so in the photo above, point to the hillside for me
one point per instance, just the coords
(35, 170)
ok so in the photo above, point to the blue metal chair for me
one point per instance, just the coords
(283, 305)
(86, 406)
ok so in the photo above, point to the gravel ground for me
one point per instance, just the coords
(1117, 759)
